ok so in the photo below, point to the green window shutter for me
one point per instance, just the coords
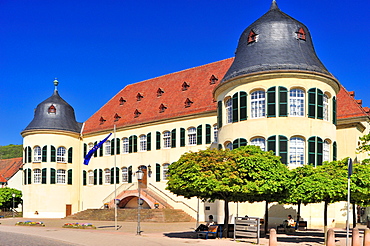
(242, 142)
(43, 176)
(334, 111)
(100, 176)
(149, 141)
(208, 134)
(44, 153)
(157, 172)
(101, 150)
(312, 103)
(129, 174)
(236, 143)
(25, 177)
(117, 175)
(182, 137)
(70, 154)
(85, 150)
(219, 146)
(219, 114)
(271, 144)
(311, 151)
(118, 150)
(69, 177)
(283, 101)
(271, 102)
(29, 176)
(199, 134)
(130, 144)
(84, 178)
(334, 151)
(243, 105)
(52, 176)
(158, 140)
(320, 103)
(29, 154)
(112, 146)
(112, 175)
(173, 138)
(319, 151)
(95, 177)
(283, 149)
(235, 108)
(96, 152)
(52, 154)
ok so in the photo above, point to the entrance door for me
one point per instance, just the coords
(68, 209)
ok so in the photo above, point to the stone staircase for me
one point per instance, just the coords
(146, 215)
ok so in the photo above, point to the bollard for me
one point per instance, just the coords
(273, 238)
(330, 239)
(355, 237)
(367, 237)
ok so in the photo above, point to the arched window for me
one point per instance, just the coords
(192, 134)
(61, 176)
(107, 147)
(143, 144)
(258, 104)
(326, 151)
(167, 139)
(165, 171)
(260, 142)
(124, 175)
(125, 145)
(107, 176)
(37, 176)
(326, 107)
(61, 155)
(37, 154)
(296, 151)
(229, 146)
(91, 177)
(296, 102)
(229, 111)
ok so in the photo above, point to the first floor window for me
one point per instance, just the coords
(296, 151)
(215, 134)
(61, 176)
(37, 176)
(192, 134)
(296, 100)
(107, 176)
(326, 107)
(61, 155)
(229, 111)
(37, 154)
(107, 147)
(124, 174)
(326, 150)
(125, 145)
(143, 143)
(258, 104)
(166, 140)
(259, 142)
(165, 171)
(91, 177)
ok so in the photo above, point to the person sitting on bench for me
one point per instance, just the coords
(203, 227)
(289, 223)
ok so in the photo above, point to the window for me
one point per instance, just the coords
(296, 151)
(125, 145)
(259, 142)
(61, 176)
(91, 145)
(258, 104)
(192, 136)
(182, 137)
(166, 140)
(52, 109)
(136, 113)
(208, 134)
(107, 176)
(296, 100)
(188, 102)
(143, 144)
(102, 120)
(252, 37)
(326, 107)
(165, 171)
(107, 147)
(37, 176)
(229, 111)
(326, 151)
(215, 134)
(61, 155)
(229, 146)
(91, 177)
(124, 175)
(122, 101)
(213, 80)
(37, 154)
(315, 103)
(185, 86)
(301, 34)
(117, 117)
(162, 108)
(315, 151)
(139, 97)
(159, 92)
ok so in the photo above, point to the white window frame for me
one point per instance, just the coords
(91, 177)
(61, 155)
(142, 143)
(37, 176)
(37, 154)
(258, 104)
(296, 102)
(229, 110)
(326, 151)
(165, 171)
(61, 176)
(125, 145)
(167, 140)
(107, 148)
(124, 174)
(215, 133)
(260, 142)
(192, 136)
(107, 176)
(325, 107)
(296, 151)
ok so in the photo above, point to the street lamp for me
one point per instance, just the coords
(13, 195)
(139, 176)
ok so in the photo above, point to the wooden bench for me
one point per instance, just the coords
(287, 229)
(213, 230)
(302, 224)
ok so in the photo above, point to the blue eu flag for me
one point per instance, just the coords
(95, 148)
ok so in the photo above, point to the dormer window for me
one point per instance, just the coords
(139, 97)
(102, 120)
(301, 34)
(52, 109)
(213, 80)
(159, 92)
(185, 86)
(188, 103)
(122, 101)
(136, 113)
(252, 37)
(116, 117)
(162, 108)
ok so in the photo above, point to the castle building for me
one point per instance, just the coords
(275, 93)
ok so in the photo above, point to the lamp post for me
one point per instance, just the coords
(139, 175)
(13, 195)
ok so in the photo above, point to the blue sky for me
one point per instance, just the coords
(95, 48)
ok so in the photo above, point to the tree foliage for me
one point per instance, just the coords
(6, 197)
(11, 151)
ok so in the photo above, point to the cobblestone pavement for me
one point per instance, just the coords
(156, 234)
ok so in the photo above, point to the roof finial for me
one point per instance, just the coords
(274, 5)
(56, 82)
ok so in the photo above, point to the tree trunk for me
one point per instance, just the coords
(299, 212)
(266, 217)
(325, 213)
(354, 217)
(225, 230)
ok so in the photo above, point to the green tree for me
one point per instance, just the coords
(6, 197)
(11, 151)
(240, 175)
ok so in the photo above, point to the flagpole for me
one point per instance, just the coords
(348, 196)
(114, 179)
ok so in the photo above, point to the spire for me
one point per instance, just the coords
(274, 5)
(56, 82)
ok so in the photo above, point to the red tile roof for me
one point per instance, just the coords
(140, 102)
(348, 106)
(9, 167)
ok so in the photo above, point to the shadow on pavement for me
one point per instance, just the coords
(186, 234)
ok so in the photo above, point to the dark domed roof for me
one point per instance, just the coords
(54, 114)
(275, 41)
